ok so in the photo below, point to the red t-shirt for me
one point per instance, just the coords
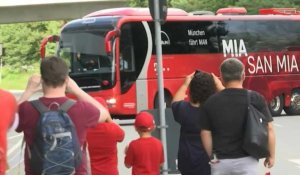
(8, 106)
(102, 146)
(145, 155)
(83, 114)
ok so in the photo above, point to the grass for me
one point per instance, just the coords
(15, 81)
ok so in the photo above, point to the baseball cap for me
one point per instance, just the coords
(144, 120)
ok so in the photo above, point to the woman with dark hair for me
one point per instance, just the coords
(192, 158)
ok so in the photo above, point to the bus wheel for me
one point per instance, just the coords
(168, 100)
(294, 108)
(276, 106)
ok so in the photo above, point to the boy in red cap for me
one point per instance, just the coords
(145, 154)
(8, 106)
(102, 145)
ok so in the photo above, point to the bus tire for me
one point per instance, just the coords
(276, 105)
(294, 108)
(167, 99)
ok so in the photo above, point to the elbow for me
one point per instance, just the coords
(104, 115)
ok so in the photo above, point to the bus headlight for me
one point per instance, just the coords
(111, 101)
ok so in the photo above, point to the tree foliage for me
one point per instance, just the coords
(252, 6)
(196, 5)
(21, 42)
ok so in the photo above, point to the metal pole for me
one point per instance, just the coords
(160, 85)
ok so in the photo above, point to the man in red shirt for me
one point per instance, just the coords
(102, 145)
(145, 154)
(8, 106)
(54, 80)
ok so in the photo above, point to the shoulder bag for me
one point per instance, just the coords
(255, 141)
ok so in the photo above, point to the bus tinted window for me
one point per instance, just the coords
(187, 37)
(206, 36)
(272, 35)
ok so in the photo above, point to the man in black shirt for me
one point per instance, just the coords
(223, 124)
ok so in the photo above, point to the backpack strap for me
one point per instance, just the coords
(38, 105)
(249, 97)
(67, 105)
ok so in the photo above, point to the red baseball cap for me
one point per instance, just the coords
(144, 120)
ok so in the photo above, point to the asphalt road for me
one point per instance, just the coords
(287, 131)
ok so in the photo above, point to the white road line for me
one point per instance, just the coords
(296, 161)
(15, 147)
(15, 136)
(278, 125)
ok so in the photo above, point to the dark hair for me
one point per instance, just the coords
(54, 71)
(201, 87)
(232, 69)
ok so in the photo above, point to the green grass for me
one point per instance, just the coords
(15, 81)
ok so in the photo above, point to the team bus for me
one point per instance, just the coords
(111, 53)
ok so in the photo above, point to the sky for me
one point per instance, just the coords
(34, 2)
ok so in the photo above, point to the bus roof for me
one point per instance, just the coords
(128, 11)
(279, 11)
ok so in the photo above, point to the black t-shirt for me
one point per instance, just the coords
(192, 158)
(224, 114)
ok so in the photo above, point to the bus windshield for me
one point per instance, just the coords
(84, 52)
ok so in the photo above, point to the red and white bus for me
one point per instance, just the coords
(111, 53)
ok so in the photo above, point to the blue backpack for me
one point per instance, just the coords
(56, 148)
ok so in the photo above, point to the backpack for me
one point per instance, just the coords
(56, 148)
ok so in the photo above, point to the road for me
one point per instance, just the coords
(287, 148)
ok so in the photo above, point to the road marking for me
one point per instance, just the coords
(278, 125)
(296, 161)
(14, 136)
(15, 147)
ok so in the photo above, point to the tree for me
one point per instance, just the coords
(21, 42)
(253, 6)
(144, 3)
(212, 5)
(189, 5)
(199, 5)
(138, 3)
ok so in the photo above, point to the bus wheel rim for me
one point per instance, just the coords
(275, 103)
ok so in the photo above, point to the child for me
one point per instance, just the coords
(145, 154)
(102, 145)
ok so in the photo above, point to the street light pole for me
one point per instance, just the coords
(161, 95)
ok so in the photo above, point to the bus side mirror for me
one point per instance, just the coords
(45, 41)
(108, 39)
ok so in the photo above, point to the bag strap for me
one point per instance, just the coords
(67, 105)
(249, 92)
(38, 105)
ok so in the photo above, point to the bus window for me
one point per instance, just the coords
(133, 48)
(187, 37)
(273, 35)
(66, 55)
(90, 66)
